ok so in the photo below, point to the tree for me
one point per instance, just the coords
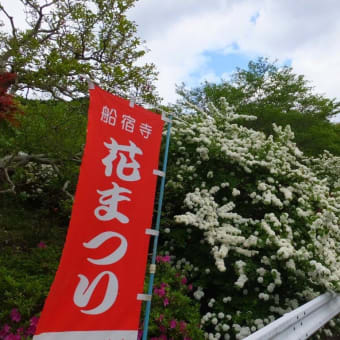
(49, 136)
(265, 86)
(276, 95)
(66, 38)
(8, 107)
(258, 219)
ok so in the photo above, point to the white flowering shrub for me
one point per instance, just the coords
(263, 220)
(327, 166)
(36, 178)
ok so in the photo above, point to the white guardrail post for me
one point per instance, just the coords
(302, 322)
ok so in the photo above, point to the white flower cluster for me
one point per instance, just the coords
(220, 322)
(327, 166)
(198, 294)
(263, 203)
(242, 279)
(38, 177)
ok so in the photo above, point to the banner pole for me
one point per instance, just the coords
(155, 240)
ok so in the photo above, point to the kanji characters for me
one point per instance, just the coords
(96, 292)
(145, 130)
(128, 123)
(123, 163)
(109, 116)
(105, 114)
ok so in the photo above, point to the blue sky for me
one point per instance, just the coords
(195, 40)
(221, 63)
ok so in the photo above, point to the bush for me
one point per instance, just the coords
(174, 312)
(25, 279)
(267, 225)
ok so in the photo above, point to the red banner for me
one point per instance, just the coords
(102, 268)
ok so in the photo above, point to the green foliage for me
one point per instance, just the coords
(68, 38)
(23, 223)
(39, 213)
(52, 134)
(276, 95)
(52, 128)
(312, 134)
(174, 312)
(25, 278)
(214, 161)
(258, 218)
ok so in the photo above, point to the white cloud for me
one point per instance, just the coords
(178, 36)
(15, 9)
(308, 33)
(179, 32)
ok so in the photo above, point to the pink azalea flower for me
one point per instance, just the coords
(31, 330)
(159, 291)
(34, 320)
(165, 258)
(5, 330)
(173, 324)
(163, 337)
(182, 326)
(15, 315)
(161, 317)
(20, 331)
(165, 302)
(41, 244)
(190, 287)
(184, 280)
(12, 337)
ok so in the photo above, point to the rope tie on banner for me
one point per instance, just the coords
(165, 118)
(132, 101)
(158, 173)
(152, 269)
(157, 226)
(90, 82)
(144, 297)
(152, 232)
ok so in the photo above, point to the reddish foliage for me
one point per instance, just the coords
(8, 107)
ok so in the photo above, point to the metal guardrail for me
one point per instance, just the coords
(302, 322)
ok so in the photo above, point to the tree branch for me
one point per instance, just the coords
(66, 191)
(37, 26)
(14, 30)
(11, 162)
(8, 179)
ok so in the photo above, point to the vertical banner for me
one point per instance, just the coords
(102, 268)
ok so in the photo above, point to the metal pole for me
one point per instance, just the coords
(155, 240)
